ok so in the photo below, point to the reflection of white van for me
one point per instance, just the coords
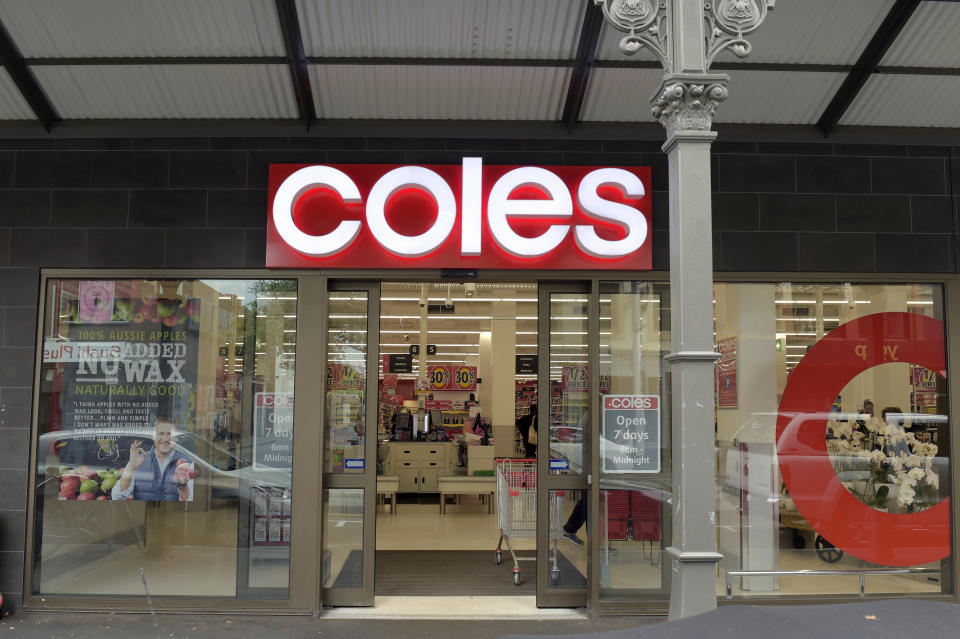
(761, 428)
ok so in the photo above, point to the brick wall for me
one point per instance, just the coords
(198, 203)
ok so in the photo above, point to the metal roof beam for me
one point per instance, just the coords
(586, 51)
(293, 44)
(27, 84)
(885, 36)
(152, 60)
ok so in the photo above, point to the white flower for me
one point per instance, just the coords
(933, 479)
(926, 449)
(905, 496)
(917, 474)
(875, 425)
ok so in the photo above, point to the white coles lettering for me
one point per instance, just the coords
(407, 177)
(471, 198)
(499, 208)
(596, 207)
(293, 188)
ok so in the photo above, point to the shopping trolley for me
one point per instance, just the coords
(517, 511)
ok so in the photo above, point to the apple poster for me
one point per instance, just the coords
(125, 359)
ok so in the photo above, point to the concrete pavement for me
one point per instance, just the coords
(136, 626)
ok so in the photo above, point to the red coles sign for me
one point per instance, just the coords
(467, 216)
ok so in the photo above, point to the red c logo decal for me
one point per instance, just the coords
(842, 519)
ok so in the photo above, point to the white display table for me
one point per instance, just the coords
(459, 485)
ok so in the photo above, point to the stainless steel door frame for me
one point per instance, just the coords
(367, 480)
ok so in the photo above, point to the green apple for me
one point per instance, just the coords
(88, 486)
(125, 306)
(166, 308)
(108, 483)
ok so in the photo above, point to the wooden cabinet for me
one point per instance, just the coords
(419, 465)
(409, 473)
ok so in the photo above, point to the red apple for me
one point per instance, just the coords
(149, 313)
(137, 318)
(102, 498)
(68, 495)
(187, 466)
(170, 321)
(86, 497)
(70, 483)
(87, 473)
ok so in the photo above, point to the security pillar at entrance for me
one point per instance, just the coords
(687, 35)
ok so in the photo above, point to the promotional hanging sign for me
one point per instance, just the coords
(576, 378)
(442, 377)
(344, 377)
(726, 373)
(459, 216)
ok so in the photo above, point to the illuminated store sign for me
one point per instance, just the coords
(459, 216)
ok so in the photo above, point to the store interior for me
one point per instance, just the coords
(457, 373)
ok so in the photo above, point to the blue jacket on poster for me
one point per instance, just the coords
(150, 485)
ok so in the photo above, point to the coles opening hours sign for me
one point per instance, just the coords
(631, 434)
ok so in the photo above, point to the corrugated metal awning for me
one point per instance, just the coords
(452, 60)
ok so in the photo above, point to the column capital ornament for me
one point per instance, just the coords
(687, 102)
(647, 24)
(728, 21)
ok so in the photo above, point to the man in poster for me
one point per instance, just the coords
(162, 474)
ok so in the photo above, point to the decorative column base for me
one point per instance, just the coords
(693, 588)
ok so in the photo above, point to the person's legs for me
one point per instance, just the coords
(577, 518)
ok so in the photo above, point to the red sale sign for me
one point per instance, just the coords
(466, 215)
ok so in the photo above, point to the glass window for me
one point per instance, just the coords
(169, 404)
(635, 478)
(569, 382)
(346, 383)
(832, 438)
(343, 548)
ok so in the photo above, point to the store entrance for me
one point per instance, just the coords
(451, 392)
(415, 499)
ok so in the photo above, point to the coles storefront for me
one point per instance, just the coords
(328, 429)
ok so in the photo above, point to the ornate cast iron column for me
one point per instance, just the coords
(686, 35)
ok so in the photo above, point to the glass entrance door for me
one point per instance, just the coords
(568, 370)
(349, 449)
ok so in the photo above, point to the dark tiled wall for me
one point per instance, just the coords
(169, 203)
(858, 208)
